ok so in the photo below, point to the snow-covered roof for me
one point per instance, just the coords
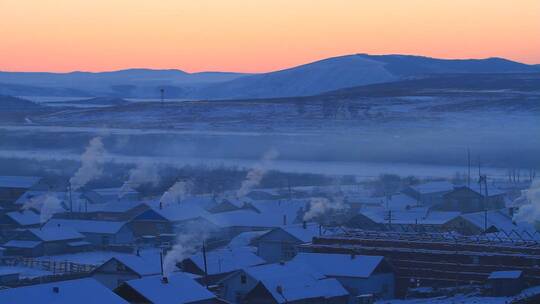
(340, 265)
(138, 264)
(55, 234)
(185, 210)
(295, 280)
(303, 234)
(421, 216)
(179, 289)
(496, 218)
(246, 239)
(266, 214)
(115, 191)
(18, 181)
(433, 187)
(227, 260)
(21, 244)
(86, 226)
(508, 274)
(82, 291)
(24, 217)
(36, 195)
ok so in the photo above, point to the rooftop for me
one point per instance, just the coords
(82, 291)
(179, 289)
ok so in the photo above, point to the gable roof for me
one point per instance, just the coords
(417, 215)
(24, 217)
(179, 289)
(136, 264)
(55, 234)
(340, 265)
(227, 260)
(495, 218)
(246, 239)
(87, 226)
(82, 291)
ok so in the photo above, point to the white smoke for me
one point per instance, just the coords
(177, 192)
(256, 174)
(530, 212)
(143, 173)
(319, 206)
(188, 243)
(91, 164)
(34, 202)
(51, 205)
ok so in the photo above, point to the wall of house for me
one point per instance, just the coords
(234, 290)
(381, 284)
(111, 276)
(277, 246)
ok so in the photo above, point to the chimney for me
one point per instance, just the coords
(353, 256)
(56, 289)
(164, 280)
(304, 224)
(160, 205)
(281, 262)
(284, 220)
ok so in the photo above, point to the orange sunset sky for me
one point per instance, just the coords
(256, 36)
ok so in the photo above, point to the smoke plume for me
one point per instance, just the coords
(256, 174)
(530, 212)
(177, 192)
(51, 205)
(188, 242)
(91, 164)
(319, 206)
(143, 173)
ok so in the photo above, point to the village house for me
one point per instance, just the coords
(81, 291)
(483, 222)
(506, 283)
(220, 263)
(97, 232)
(430, 193)
(22, 219)
(177, 288)
(281, 244)
(123, 268)
(45, 241)
(281, 283)
(466, 199)
(359, 274)
(12, 187)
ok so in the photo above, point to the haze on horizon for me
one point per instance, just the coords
(256, 36)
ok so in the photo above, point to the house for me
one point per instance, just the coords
(8, 276)
(123, 268)
(104, 195)
(246, 239)
(482, 222)
(45, 241)
(281, 244)
(21, 219)
(429, 194)
(359, 274)
(12, 187)
(220, 263)
(177, 288)
(82, 291)
(262, 215)
(506, 283)
(418, 219)
(282, 283)
(96, 232)
(466, 199)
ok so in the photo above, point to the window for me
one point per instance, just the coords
(243, 279)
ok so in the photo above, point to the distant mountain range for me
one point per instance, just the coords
(310, 79)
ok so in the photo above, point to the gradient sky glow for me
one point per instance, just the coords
(256, 35)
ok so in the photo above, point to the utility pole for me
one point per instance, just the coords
(205, 264)
(162, 93)
(468, 167)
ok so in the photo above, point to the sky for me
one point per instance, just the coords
(256, 35)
